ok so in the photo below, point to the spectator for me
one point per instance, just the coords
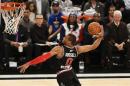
(33, 11)
(13, 49)
(42, 7)
(39, 34)
(109, 18)
(118, 41)
(95, 4)
(119, 4)
(26, 22)
(72, 26)
(55, 22)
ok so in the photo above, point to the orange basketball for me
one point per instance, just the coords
(94, 28)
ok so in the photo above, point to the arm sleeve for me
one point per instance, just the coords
(40, 59)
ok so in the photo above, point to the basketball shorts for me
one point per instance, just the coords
(67, 78)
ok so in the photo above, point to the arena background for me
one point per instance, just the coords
(44, 74)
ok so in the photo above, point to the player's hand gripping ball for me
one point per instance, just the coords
(94, 28)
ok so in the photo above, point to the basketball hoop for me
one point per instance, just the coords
(12, 12)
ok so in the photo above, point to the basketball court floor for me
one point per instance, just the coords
(49, 80)
(52, 82)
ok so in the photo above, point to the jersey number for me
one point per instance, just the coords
(69, 61)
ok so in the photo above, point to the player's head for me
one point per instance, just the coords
(69, 40)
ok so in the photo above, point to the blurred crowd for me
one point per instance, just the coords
(46, 21)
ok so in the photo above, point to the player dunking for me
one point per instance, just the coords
(66, 54)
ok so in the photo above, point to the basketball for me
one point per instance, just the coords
(94, 28)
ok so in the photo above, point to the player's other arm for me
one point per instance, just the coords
(39, 59)
(96, 43)
(87, 48)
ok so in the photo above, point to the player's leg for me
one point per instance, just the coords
(64, 80)
(68, 78)
(75, 80)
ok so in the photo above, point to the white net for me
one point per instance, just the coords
(12, 19)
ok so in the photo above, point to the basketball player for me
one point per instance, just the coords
(66, 53)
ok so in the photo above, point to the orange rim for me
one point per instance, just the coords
(7, 8)
(10, 5)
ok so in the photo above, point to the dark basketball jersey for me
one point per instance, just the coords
(66, 75)
(69, 55)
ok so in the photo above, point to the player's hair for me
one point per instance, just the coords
(72, 38)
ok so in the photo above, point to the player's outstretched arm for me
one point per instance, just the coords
(38, 59)
(96, 43)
